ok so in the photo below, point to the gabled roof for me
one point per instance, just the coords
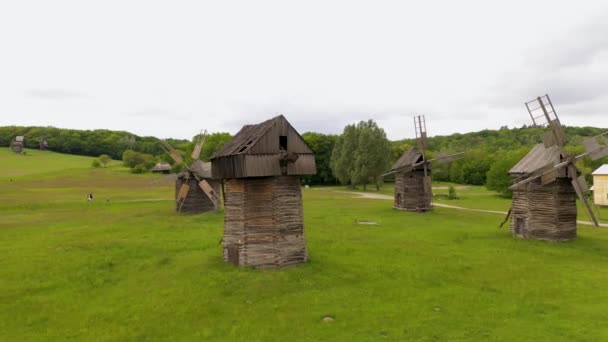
(602, 170)
(162, 167)
(409, 157)
(539, 157)
(246, 139)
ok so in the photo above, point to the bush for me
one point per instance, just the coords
(139, 168)
(131, 159)
(96, 163)
(452, 193)
(105, 159)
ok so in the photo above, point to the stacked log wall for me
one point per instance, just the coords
(545, 212)
(409, 192)
(263, 222)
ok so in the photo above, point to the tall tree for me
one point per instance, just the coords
(360, 154)
(372, 155)
(322, 145)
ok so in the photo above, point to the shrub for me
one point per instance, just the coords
(96, 163)
(452, 193)
(139, 168)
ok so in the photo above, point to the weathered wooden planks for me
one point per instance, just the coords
(263, 222)
(545, 212)
(409, 191)
(196, 200)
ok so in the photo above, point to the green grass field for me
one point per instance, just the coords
(126, 267)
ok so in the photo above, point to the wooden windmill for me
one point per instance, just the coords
(43, 144)
(195, 190)
(18, 144)
(263, 220)
(413, 190)
(546, 181)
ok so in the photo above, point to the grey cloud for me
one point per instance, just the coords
(329, 119)
(570, 69)
(54, 94)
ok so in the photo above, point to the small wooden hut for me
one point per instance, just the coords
(261, 168)
(18, 144)
(43, 144)
(196, 201)
(161, 168)
(543, 211)
(412, 186)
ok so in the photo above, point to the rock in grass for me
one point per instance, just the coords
(327, 319)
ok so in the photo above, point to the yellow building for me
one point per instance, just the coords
(600, 185)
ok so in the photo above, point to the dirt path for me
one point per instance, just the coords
(387, 197)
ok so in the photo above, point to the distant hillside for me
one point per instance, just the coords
(86, 142)
(36, 162)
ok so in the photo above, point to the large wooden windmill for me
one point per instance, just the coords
(546, 181)
(263, 220)
(412, 172)
(195, 190)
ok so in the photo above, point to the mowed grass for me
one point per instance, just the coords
(135, 270)
(478, 197)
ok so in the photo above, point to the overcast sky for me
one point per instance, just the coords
(171, 68)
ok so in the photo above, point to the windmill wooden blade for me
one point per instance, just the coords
(528, 178)
(405, 169)
(182, 194)
(420, 128)
(212, 194)
(580, 191)
(594, 149)
(448, 158)
(543, 113)
(171, 152)
(196, 153)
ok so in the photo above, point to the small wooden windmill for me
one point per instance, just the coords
(195, 190)
(43, 144)
(412, 172)
(546, 181)
(18, 144)
(263, 217)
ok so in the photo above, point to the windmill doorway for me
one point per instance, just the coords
(520, 226)
(398, 201)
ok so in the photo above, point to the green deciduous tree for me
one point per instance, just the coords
(132, 159)
(498, 178)
(322, 145)
(105, 159)
(360, 154)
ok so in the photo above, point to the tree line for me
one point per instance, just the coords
(356, 157)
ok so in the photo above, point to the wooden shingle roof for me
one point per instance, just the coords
(539, 157)
(247, 140)
(409, 157)
(258, 151)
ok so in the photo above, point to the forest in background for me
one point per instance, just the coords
(354, 157)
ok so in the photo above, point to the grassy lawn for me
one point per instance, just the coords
(476, 197)
(132, 269)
